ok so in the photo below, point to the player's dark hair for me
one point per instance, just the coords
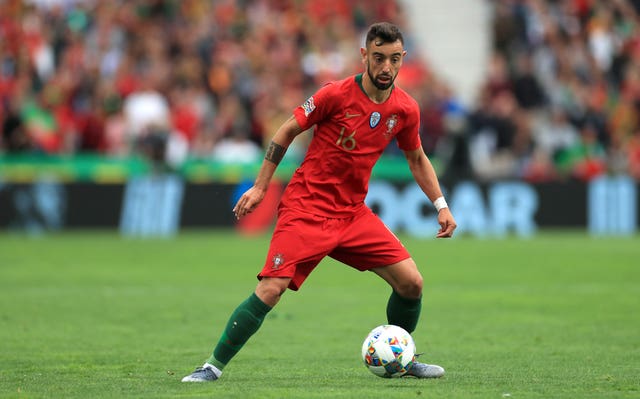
(385, 32)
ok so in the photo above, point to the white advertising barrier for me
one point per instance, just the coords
(162, 205)
(506, 208)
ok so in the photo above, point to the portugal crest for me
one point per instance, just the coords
(278, 260)
(374, 119)
(392, 122)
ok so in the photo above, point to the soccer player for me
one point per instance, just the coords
(322, 211)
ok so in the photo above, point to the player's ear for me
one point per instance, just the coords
(363, 53)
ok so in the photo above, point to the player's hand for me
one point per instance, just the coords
(447, 223)
(248, 202)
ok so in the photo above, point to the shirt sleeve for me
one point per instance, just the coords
(409, 137)
(316, 108)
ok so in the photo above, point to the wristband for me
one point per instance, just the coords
(440, 203)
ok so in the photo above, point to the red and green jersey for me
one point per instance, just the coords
(350, 134)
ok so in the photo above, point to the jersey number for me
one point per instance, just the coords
(347, 142)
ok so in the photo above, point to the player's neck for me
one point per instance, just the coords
(376, 95)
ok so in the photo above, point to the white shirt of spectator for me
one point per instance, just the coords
(144, 109)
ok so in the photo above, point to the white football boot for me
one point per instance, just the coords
(422, 370)
(205, 373)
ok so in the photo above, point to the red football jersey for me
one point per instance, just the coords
(350, 134)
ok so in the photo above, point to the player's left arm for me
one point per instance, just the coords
(426, 177)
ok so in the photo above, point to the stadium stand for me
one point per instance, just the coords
(173, 80)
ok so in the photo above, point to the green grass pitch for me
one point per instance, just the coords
(94, 315)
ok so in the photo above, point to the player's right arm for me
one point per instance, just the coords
(275, 152)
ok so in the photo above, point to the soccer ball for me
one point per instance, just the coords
(388, 351)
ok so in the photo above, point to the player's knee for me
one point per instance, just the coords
(411, 287)
(269, 290)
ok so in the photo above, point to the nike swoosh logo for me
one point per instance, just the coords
(348, 115)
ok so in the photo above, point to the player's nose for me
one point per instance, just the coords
(386, 67)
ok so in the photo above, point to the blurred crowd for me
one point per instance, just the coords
(167, 78)
(177, 80)
(561, 98)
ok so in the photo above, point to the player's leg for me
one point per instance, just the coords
(297, 245)
(404, 306)
(369, 245)
(245, 321)
(405, 303)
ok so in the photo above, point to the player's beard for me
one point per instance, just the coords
(380, 85)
